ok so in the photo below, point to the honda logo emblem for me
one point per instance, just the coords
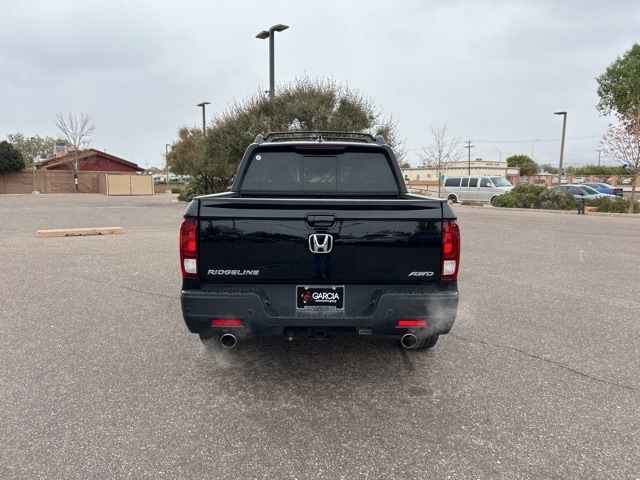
(320, 243)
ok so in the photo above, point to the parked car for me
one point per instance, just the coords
(593, 191)
(581, 191)
(483, 188)
(605, 188)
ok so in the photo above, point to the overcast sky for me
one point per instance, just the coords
(494, 71)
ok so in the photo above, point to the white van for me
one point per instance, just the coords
(476, 188)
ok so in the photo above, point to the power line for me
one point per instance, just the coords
(584, 137)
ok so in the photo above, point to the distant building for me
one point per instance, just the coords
(91, 160)
(476, 167)
(425, 180)
(59, 149)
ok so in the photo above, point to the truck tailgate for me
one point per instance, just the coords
(373, 241)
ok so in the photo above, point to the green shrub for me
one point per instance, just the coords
(608, 205)
(507, 200)
(536, 196)
(194, 188)
(557, 200)
(528, 195)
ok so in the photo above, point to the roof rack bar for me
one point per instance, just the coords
(320, 136)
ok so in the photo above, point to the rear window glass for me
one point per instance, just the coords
(342, 172)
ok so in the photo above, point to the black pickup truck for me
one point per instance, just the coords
(318, 234)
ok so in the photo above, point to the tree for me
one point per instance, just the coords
(10, 158)
(76, 129)
(602, 170)
(441, 152)
(527, 166)
(33, 147)
(621, 142)
(305, 104)
(619, 87)
(323, 104)
(187, 156)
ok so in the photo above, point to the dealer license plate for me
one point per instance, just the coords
(330, 297)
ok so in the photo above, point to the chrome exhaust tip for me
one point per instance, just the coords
(228, 340)
(409, 340)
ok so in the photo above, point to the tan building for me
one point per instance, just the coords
(425, 180)
(476, 167)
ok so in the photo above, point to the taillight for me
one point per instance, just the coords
(410, 323)
(226, 322)
(189, 247)
(450, 249)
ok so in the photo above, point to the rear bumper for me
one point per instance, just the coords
(263, 312)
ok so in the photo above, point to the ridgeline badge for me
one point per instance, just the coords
(239, 273)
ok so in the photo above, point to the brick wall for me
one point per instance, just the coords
(53, 181)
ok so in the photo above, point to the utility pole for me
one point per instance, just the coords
(468, 146)
(599, 151)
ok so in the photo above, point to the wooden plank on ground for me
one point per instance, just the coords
(75, 232)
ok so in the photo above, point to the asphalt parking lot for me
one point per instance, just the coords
(99, 377)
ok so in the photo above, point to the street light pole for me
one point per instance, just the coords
(564, 129)
(270, 34)
(532, 145)
(166, 160)
(204, 123)
(33, 167)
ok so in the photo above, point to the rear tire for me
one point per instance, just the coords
(453, 198)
